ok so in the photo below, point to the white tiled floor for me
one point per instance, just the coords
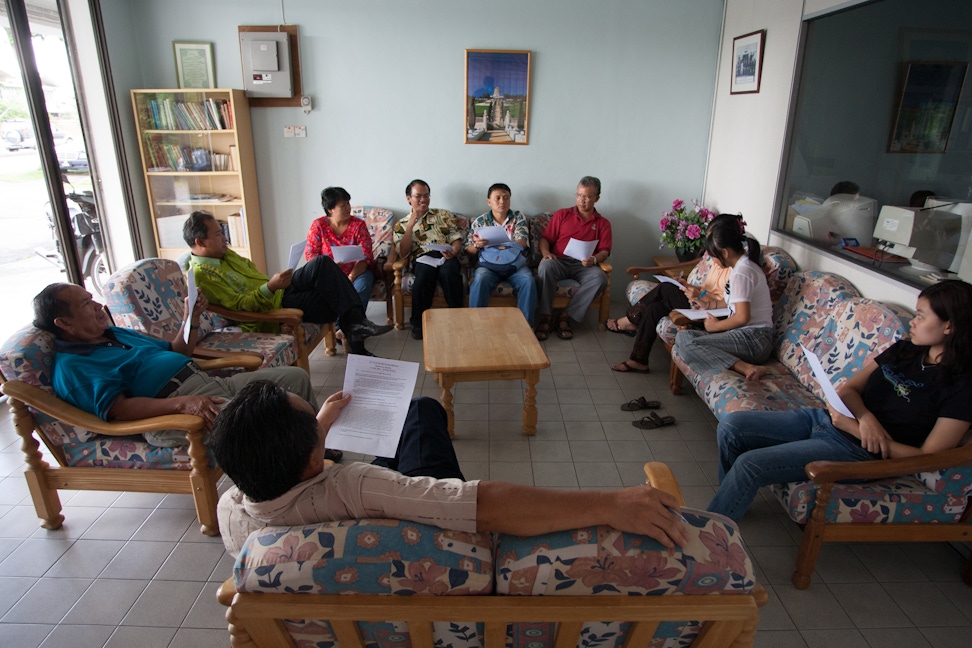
(130, 569)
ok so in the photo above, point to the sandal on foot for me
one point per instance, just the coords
(617, 329)
(653, 421)
(564, 332)
(624, 367)
(639, 403)
(543, 330)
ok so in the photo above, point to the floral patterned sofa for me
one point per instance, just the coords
(291, 584)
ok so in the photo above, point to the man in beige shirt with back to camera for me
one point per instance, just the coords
(282, 480)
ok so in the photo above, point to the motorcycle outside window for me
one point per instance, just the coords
(50, 229)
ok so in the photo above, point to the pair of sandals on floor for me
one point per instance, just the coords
(564, 330)
(652, 420)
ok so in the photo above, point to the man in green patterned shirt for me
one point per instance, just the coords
(319, 288)
(412, 236)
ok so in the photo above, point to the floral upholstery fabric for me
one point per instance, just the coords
(149, 295)
(602, 560)
(380, 222)
(28, 356)
(824, 312)
(369, 557)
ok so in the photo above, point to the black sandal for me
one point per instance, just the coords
(653, 421)
(564, 331)
(640, 403)
(543, 330)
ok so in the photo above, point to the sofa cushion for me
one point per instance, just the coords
(369, 557)
(602, 560)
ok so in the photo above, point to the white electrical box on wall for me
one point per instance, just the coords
(266, 64)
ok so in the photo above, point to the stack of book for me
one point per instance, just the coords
(211, 114)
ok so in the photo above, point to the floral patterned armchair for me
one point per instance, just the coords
(291, 586)
(380, 222)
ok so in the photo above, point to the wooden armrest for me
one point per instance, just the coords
(62, 411)
(679, 320)
(606, 267)
(659, 475)
(397, 265)
(830, 471)
(672, 270)
(226, 592)
(289, 316)
(243, 359)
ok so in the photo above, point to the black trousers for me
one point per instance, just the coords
(423, 288)
(425, 449)
(323, 292)
(646, 314)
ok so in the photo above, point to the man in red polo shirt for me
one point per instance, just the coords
(581, 222)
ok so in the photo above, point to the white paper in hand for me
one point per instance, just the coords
(192, 294)
(667, 279)
(347, 253)
(824, 381)
(296, 252)
(437, 247)
(381, 391)
(494, 235)
(580, 250)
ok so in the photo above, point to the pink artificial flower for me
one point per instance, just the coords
(663, 223)
(693, 232)
(677, 204)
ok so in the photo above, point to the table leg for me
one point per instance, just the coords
(445, 381)
(530, 403)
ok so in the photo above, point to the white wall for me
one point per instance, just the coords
(748, 133)
(621, 90)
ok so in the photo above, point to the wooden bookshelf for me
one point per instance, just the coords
(197, 153)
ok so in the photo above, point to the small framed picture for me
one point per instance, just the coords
(194, 64)
(747, 62)
(497, 96)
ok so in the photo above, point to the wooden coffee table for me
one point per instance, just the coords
(467, 344)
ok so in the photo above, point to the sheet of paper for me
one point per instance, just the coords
(667, 279)
(824, 381)
(580, 250)
(697, 315)
(381, 390)
(435, 262)
(494, 235)
(296, 252)
(192, 293)
(436, 247)
(347, 253)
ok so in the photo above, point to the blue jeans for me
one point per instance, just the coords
(704, 351)
(524, 287)
(763, 448)
(362, 286)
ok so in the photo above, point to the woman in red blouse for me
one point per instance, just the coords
(338, 228)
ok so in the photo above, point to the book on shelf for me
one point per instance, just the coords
(235, 226)
(211, 114)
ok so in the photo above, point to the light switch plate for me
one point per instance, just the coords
(300, 131)
(288, 131)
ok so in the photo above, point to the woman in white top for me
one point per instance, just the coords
(744, 340)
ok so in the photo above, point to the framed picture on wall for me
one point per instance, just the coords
(497, 96)
(926, 109)
(747, 62)
(194, 64)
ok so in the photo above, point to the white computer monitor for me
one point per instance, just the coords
(841, 216)
(926, 236)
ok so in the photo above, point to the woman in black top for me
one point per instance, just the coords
(914, 398)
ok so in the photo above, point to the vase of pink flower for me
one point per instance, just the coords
(683, 229)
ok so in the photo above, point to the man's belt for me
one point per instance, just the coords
(176, 381)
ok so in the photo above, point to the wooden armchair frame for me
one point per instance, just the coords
(292, 322)
(43, 480)
(825, 473)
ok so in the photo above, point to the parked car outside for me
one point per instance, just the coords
(18, 133)
(72, 157)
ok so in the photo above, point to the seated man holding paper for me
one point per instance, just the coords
(431, 239)
(911, 399)
(568, 254)
(281, 479)
(344, 238)
(319, 288)
(500, 238)
(641, 319)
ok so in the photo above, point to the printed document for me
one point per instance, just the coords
(435, 262)
(667, 279)
(347, 253)
(494, 235)
(698, 315)
(580, 250)
(824, 381)
(192, 294)
(437, 247)
(372, 421)
(296, 252)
